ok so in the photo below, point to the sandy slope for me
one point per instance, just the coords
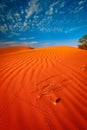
(13, 49)
(31, 82)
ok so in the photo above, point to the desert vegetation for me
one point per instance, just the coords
(83, 42)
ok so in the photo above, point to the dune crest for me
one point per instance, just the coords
(13, 49)
(43, 89)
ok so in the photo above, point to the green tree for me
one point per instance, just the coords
(83, 42)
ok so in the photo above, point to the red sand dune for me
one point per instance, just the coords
(43, 89)
(13, 49)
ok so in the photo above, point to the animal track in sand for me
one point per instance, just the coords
(50, 89)
(83, 68)
(46, 90)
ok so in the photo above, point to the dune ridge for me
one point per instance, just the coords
(43, 89)
(13, 49)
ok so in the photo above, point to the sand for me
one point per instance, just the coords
(43, 89)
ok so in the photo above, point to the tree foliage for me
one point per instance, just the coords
(83, 42)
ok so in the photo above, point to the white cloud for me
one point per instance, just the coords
(81, 2)
(78, 9)
(29, 13)
(3, 28)
(31, 38)
(22, 12)
(23, 38)
(25, 24)
(15, 33)
(16, 43)
(75, 28)
(32, 44)
(58, 29)
(54, 4)
(50, 11)
(17, 14)
(81, 8)
(36, 17)
(8, 44)
(27, 38)
(51, 8)
(14, 19)
(2, 7)
(11, 17)
(33, 7)
(62, 4)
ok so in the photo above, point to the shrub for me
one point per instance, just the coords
(83, 42)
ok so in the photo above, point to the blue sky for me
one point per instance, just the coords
(39, 23)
